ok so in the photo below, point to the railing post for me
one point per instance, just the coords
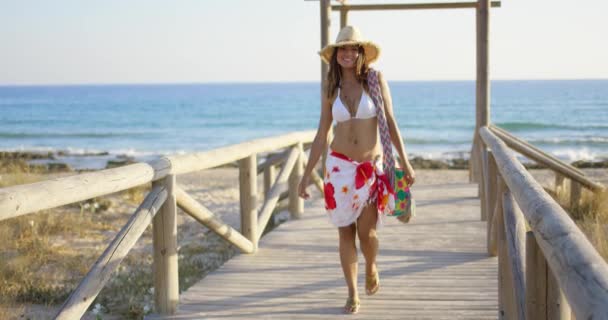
(490, 189)
(557, 305)
(544, 299)
(269, 178)
(505, 285)
(296, 204)
(248, 193)
(560, 184)
(483, 183)
(164, 230)
(575, 194)
(536, 280)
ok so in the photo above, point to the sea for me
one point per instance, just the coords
(567, 118)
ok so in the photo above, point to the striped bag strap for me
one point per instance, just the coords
(385, 135)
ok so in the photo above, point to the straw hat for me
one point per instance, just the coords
(350, 35)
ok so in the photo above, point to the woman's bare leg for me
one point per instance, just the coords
(348, 257)
(366, 229)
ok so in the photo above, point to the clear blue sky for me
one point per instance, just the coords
(150, 41)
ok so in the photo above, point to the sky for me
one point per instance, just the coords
(201, 41)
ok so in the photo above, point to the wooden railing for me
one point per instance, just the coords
(160, 207)
(552, 270)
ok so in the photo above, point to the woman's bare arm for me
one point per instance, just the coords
(319, 143)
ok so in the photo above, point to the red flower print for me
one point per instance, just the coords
(335, 169)
(364, 172)
(330, 201)
(344, 189)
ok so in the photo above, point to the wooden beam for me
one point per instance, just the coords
(409, 6)
(541, 154)
(275, 191)
(82, 297)
(201, 214)
(555, 165)
(23, 199)
(343, 18)
(216, 157)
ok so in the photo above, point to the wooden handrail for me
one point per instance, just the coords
(27, 198)
(544, 154)
(23, 199)
(581, 272)
(163, 199)
(553, 163)
(82, 297)
(216, 157)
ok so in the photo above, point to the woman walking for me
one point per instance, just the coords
(357, 193)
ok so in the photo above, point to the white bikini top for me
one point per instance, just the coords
(366, 109)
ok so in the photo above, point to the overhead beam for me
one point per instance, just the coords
(409, 6)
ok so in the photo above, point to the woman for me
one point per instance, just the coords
(356, 191)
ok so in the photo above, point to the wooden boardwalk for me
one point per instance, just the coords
(435, 268)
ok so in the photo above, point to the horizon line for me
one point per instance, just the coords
(267, 82)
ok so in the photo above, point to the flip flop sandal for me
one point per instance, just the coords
(352, 305)
(372, 283)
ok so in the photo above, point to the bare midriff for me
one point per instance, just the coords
(357, 139)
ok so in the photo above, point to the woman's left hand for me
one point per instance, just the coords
(411, 177)
(410, 174)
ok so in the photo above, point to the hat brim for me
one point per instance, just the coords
(372, 51)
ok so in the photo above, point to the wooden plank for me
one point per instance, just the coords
(296, 272)
(82, 297)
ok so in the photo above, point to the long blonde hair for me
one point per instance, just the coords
(334, 75)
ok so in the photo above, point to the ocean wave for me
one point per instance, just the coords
(548, 126)
(587, 141)
(20, 135)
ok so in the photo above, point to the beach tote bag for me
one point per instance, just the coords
(405, 206)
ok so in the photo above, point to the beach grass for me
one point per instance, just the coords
(590, 215)
(44, 255)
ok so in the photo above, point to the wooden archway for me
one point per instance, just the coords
(482, 96)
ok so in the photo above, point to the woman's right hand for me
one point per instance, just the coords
(302, 188)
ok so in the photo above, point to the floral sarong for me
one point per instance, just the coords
(350, 185)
